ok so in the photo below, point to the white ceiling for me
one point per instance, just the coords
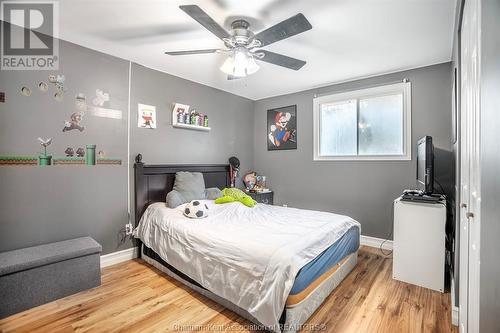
(349, 39)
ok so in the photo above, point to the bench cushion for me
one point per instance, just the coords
(36, 256)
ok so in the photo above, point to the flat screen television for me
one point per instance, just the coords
(425, 165)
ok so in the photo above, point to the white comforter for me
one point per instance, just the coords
(249, 256)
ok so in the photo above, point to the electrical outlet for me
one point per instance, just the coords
(128, 229)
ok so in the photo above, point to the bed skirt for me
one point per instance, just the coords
(293, 317)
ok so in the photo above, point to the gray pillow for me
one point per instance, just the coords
(174, 199)
(187, 186)
(212, 193)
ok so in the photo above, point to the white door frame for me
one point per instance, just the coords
(470, 191)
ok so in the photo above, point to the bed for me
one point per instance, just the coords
(272, 265)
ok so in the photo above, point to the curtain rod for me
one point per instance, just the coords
(404, 80)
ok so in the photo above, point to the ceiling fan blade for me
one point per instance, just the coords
(173, 53)
(202, 18)
(287, 28)
(280, 60)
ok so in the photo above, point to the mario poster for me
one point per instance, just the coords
(282, 128)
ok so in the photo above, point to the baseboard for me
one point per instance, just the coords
(119, 256)
(454, 315)
(454, 308)
(376, 242)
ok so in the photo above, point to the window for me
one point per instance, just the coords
(368, 124)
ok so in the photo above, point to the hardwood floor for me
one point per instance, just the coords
(135, 297)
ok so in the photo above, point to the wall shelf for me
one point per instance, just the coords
(191, 127)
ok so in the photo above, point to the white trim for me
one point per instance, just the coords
(119, 256)
(128, 138)
(375, 242)
(454, 308)
(388, 89)
(454, 315)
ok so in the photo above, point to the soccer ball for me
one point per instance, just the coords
(196, 210)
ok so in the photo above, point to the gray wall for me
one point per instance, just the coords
(230, 119)
(363, 190)
(46, 204)
(40, 205)
(490, 167)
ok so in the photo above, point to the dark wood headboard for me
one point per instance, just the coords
(154, 181)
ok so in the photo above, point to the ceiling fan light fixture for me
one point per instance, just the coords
(252, 66)
(240, 63)
(228, 65)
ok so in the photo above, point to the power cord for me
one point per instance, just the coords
(387, 254)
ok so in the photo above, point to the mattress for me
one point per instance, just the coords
(347, 244)
(248, 256)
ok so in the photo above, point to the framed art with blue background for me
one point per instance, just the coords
(282, 128)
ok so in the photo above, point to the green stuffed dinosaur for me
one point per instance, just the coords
(235, 194)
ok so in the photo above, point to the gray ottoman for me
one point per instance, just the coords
(40, 274)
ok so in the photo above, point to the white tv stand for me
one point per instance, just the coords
(419, 243)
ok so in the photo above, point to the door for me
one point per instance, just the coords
(469, 168)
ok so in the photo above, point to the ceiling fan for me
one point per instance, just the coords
(243, 46)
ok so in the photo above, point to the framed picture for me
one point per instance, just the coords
(282, 128)
(146, 116)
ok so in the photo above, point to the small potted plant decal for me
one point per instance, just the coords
(45, 159)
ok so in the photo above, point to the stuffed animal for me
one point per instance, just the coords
(235, 194)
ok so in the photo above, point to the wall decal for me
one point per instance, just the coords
(104, 113)
(70, 152)
(96, 111)
(43, 86)
(69, 161)
(80, 152)
(58, 81)
(80, 102)
(45, 159)
(282, 128)
(84, 156)
(146, 116)
(74, 122)
(18, 160)
(26, 91)
(59, 96)
(90, 157)
(101, 98)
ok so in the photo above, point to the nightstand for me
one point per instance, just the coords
(262, 197)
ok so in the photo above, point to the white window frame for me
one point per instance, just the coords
(403, 88)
